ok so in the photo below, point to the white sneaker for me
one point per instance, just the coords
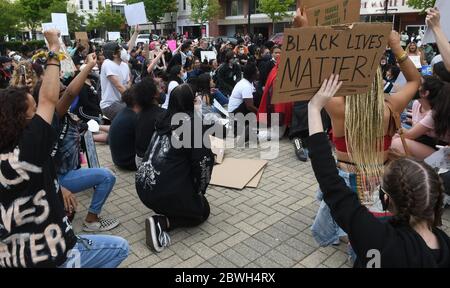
(102, 225)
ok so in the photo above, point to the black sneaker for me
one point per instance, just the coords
(300, 150)
(156, 236)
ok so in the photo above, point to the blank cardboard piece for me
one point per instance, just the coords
(218, 148)
(83, 37)
(236, 173)
(135, 14)
(311, 54)
(208, 55)
(332, 12)
(255, 180)
(60, 20)
(113, 36)
(444, 8)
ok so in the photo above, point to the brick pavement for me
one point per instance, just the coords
(264, 227)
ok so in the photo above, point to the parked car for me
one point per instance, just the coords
(277, 39)
(143, 38)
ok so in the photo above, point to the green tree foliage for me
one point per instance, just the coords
(105, 20)
(421, 4)
(275, 9)
(9, 13)
(156, 9)
(204, 10)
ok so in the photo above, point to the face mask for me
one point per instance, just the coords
(184, 76)
(241, 51)
(189, 53)
(124, 55)
(8, 68)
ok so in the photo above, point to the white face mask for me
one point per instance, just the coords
(124, 55)
(184, 76)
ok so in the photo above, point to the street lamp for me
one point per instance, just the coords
(250, 11)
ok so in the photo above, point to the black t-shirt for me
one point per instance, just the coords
(122, 135)
(145, 128)
(88, 104)
(34, 230)
(5, 77)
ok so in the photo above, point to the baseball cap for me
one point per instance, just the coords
(4, 59)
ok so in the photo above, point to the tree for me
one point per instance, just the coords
(156, 9)
(421, 4)
(105, 20)
(275, 9)
(204, 10)
(9, 13)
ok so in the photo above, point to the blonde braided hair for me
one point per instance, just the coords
(364, 131)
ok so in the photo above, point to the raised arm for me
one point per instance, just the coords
(155, 61)
(401, 99)
(133, 38)
(49, 92)
(434, 22)
(75, 86)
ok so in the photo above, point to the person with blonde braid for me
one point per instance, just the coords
(363, 128)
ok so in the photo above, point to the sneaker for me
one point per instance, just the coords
(300, 151)
(102, 225)
(155, 230)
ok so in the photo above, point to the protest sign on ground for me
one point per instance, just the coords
(135, 14)
(332, 12)
(312, 54)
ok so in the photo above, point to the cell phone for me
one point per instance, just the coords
(23, 73)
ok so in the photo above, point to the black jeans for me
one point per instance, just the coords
(299, 127)
(190, 220)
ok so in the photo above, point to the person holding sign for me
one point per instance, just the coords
(410, 189)
(362, 133)
(417, 56)
(434, 22)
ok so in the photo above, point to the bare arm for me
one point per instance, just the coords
(49, 92)
(250, 105)
(433, 21)
(401, 99)
(132, 41)
(75, 87)
(417, 131)
(116, 83)
(155, 61)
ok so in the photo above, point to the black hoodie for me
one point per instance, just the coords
(397, 246)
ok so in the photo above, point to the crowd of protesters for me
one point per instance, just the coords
(134, 91)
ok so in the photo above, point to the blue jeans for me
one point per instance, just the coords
(222, 99)
(101, 179)
(97, 251)
(324, 229)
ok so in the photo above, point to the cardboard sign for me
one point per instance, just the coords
(427, 70)
(440, 159)
(135, 14)
(83, 38)
(312, 54)
(255, 181)
(444, 8)
(208, 55)
(416, 60)
(91, 151)
(332, 12)
(236, 173)
(60, 20)
(113, 36)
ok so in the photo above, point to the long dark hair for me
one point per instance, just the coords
(433, 85)
(181, 101)
(173, 74)
(416, 190)
(145, 92)
(441, 111)
(13, 109)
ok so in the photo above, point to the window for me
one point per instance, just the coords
(81, 5)
(90, 5)
(184, 4)
(235, 8)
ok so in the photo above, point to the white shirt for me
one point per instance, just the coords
(243, 90)
(436, 59)
(170, 88)
(110, 94)
(126, 73)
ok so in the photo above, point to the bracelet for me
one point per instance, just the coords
(402, 58)
(53, 64)
(50, 55)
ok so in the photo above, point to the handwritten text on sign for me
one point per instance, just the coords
(312, 54)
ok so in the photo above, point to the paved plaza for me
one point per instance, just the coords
(264, 227)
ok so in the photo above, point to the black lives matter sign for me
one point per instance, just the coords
(312, 54)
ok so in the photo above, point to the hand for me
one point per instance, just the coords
(70, 202)
(52, 37)
(91, 60)
(394, 41)
(29, 85)
(329, 88)
(137, 29)
(300, 18)
(433, 19)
